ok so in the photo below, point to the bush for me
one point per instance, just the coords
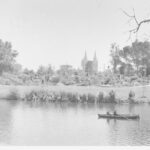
(63, 96)
(100, 97)
(55, 80)
(13, 95)
(50, 96)
(131, 94)
(131, 97)
(111, 98)
(83, 98)
(72, 97)
(91, 98)
(31, 96)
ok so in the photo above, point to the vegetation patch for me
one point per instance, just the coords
(13, 95)
(100, 97)
(50, 96)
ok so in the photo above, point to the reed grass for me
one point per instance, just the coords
(47, 96)
(13, 95)
(112, 97)
(53, 95)
(100, 97)
(91, 98)
(131, 97)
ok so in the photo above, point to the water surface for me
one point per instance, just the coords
(71, 124)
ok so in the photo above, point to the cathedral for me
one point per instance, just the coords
(90, 66)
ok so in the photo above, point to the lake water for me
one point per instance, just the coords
(64, 124)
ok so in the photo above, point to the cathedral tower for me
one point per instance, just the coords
(84, 62)
(95, 63)
(90, 66)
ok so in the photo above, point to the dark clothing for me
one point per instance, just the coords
(108, 113)
(115, 113)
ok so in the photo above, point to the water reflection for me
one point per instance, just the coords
(61, 105)
(85, 106)
(6, 121)
(28, 123)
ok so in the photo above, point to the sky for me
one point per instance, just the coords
(58, 32)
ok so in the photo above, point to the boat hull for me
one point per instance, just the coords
(125, 117)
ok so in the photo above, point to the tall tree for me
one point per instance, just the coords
(49, 70)
(135, 56)
(115, 59)
(41, 71)
(138, 54)
(7, 57)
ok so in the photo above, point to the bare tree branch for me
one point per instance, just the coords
(142, 22)
(138, 23)
(134, 16)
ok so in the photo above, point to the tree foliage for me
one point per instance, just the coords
(132, 57)
(45, 71)
(7, 57)
(41, 71)
(115, 58)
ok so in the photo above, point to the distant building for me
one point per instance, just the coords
(65, 67)
(65, 70)
(88, 66)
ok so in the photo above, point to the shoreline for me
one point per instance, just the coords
(121, 93)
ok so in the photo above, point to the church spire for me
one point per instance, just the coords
(84, 61)
(95, 57)
(85, 56)
(95, 63)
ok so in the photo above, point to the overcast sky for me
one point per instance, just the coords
(58, 32)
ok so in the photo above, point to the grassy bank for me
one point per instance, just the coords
(74, 92)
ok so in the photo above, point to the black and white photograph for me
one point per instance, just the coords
(75, 73)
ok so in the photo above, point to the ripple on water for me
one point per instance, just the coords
(69, 124)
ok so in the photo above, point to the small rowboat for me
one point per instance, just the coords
(117, 116)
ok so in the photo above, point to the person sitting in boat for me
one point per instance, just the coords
(115, 113)
(108, 113)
